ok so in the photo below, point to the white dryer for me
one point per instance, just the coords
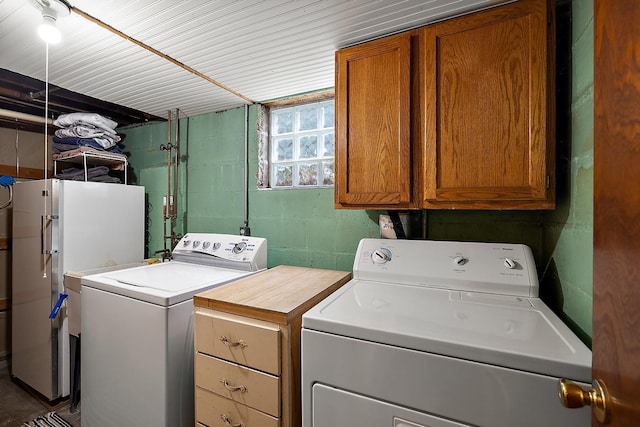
(137, 331)
(439, 334)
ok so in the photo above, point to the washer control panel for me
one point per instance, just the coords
(502, 268)
(223, 250)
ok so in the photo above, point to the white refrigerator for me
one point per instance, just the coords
(61, 226)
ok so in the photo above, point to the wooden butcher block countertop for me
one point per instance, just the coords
(275, 295)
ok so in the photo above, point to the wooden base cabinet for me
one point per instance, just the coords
(479, 129)
(247, 346)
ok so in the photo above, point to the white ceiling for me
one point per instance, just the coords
(262, 50)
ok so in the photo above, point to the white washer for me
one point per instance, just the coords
(439, 334)
(137, 331)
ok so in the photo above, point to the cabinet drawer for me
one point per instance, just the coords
(217, 411)
(244, 385)
(238, 339)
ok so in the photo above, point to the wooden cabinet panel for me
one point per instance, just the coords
(488, 90)
(246, 341)
(264, 310)
(373, 158)
(256, 389)
(454, 115)
(217, 411)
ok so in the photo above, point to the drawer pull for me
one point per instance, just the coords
(228, 343)
(230, 387)
(227, 420)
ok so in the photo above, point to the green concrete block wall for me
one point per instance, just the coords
(567, 282)
(303, 228)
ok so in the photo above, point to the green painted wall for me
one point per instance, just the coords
(567, 280)
(303, 228)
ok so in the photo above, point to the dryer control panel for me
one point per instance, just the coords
(502, 268)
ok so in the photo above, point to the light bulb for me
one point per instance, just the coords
(48, 31)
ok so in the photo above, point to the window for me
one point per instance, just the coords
(301, 145)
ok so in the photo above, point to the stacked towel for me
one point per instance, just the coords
(96, 174)
(89, 129)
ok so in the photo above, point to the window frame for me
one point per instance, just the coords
(266, 174)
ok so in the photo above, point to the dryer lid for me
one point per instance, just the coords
(511, 331)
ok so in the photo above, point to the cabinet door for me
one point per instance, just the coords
(489, 126)
(373, 152)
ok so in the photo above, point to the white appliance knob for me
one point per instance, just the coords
(459, 260)
(205, 245)
(381, 256)
(186, 243)
(509, 263)
(239, 247)
(216, 246)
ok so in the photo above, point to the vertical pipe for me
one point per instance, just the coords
(176, 146)
(246, 165)
(168, 203)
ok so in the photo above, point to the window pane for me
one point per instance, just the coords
(308, 174)
(301, 146)
(327, 112)
(308, 118)
(309, 147)
(329, 145)
(284, 176)
(284, 149)
(282, 122)
(328, 173)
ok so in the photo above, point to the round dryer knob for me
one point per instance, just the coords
(459, 260)
(509, 263)
(381, 256)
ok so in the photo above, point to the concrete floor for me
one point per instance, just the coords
(19, 405)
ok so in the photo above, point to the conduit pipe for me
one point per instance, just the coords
(174, 61)
(176, 160)
(245, 230)
(170, 200)
(8, 114)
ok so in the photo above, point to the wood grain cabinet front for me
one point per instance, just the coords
(455, 115)
(373, 149)
(247, 346)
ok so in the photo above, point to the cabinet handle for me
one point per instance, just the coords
(228, 343)
(230, 387)
(227, 421)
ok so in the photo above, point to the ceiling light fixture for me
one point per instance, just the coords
(51, 10)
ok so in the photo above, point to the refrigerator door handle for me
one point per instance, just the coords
(46, 219)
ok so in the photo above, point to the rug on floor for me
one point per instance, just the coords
(50, 420)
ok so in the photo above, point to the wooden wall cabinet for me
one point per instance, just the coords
(474, 129)
(247, 346)
(373, 124)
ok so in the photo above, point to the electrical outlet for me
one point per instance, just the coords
(245, 231)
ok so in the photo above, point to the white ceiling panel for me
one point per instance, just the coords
(261, 49)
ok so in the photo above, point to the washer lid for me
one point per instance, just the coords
(510, 331)
(164, 284)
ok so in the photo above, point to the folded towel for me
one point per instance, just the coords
(89, 118)
(87, 131)
(78, 173)
(90, 142)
